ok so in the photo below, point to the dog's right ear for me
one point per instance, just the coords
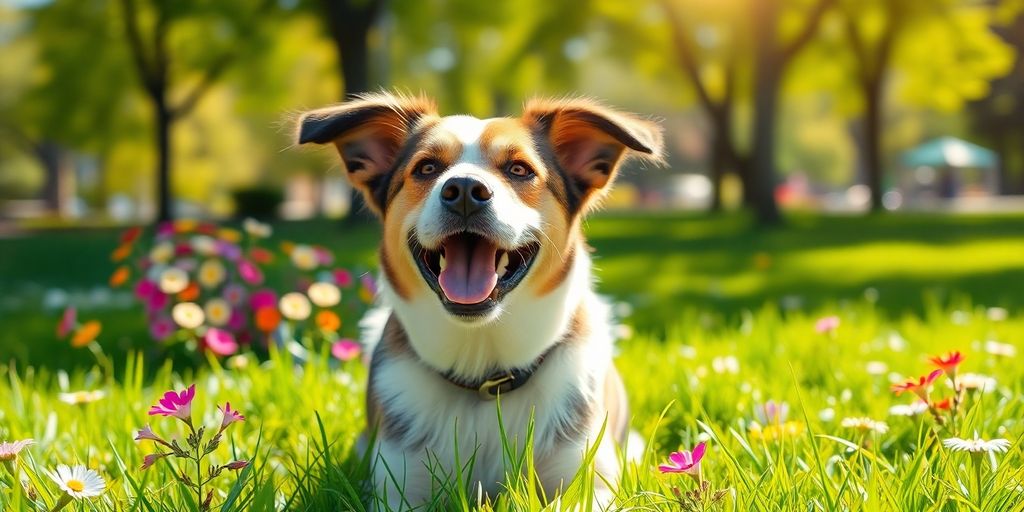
(368, 132)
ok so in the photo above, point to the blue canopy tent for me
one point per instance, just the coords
(950, 167)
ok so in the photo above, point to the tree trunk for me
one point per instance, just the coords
(768, 75)
(59, 185)
(349, 24)
(873, 171)
(165, 207)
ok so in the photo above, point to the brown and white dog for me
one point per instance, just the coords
(487, 283)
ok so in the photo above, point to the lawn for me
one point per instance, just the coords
(723, 321)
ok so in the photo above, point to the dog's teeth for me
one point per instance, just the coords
(442, 262)
(502, 264)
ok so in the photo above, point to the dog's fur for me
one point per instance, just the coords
(400, 154)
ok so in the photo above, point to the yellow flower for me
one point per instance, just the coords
(86, 333)
(304, 257)
(162, 252)
(185, 225)
(776, 432)
(229, 235)
(218, 311)
(82, 397)
(211, 273)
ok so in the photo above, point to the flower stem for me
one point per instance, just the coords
(976, 459)
(62, 502)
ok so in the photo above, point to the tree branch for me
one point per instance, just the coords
(809, 28)
(205, 83)
(687, 60)
(131, 23)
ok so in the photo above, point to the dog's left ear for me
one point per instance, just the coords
(369, 132)
(590, 142)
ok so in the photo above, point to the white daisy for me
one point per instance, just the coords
(295, 306)
(908, 410)
(173, 280)
(976, 445)
(1000, 349)
(865, 424)
(78, 482)
(324, 295)
(975, 382)
(256, 228)
(82, 397)
(188, 315)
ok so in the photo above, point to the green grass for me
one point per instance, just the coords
(701, 297)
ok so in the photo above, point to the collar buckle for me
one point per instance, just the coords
(494, 384)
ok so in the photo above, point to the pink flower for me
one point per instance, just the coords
(236, 465)
(323, 256)
(684, 461)
(157, 301)
(265, 298)
(151, 459)
(145, 288)
(220, 342)
(165, 229)
(343, 278)
(10, 450)
(250, 272)
(146, 433)
(174, 404)
(827, 325)
(67, 322)
(230, 416)
(345, 349)
(237, 320)
(369, 284)
(161, 328)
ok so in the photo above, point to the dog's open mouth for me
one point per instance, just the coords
(470, 273)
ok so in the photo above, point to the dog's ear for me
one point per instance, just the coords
(369, 132)
(590, 141)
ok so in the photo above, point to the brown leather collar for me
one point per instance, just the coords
(499, 381)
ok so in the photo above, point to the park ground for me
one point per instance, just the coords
(719, 317)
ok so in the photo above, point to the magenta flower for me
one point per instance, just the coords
(174, 404)
(343, 278)
(345, 349)
(250, 272)
(161, 328)
(323, 256)
(236, 465)
(236, 322)
(826, 325)
(265, 298)
(165, 229)
(67, 322)
(146, 434)
(684, 461)
(220, 342)
(230, 416)
(145, 289)
(151, 459)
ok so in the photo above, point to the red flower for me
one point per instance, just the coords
(948, 362)
(129, 235)
(943, 405)
(919, 386)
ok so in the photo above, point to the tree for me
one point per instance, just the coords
(148, 33)
(349, 23)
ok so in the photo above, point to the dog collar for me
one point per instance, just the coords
(501, 381)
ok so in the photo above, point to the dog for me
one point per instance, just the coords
(487, 282)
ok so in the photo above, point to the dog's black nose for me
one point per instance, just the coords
(465, 195)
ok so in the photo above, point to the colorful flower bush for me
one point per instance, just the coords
(206, 288)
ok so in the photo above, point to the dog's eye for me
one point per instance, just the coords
(519, 170)
(426, 168)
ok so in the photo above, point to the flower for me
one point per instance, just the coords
(235, 294)
(161, 328)
(1000, 349)
(120, 276)
(304, 257)
(78, 482)
(236, 465)
(151, 459)
(249, 272)
(256, 228)
(230, 416)
(265, 298)
(229, 235)
(261, 255)
(771, 412)
(345, 349)
(178, 405)
(876, 367)
(865, 424)
(173, 280)
(726, 364)
(121, 253)
(323, 256)
(220, 342)
(130, 235)
(67, 322)
(188, 315)
(976, 445)
(826, 325)
(328, 321)
(997, 314)
(913, 409)
(9, 450)
(343, 278)
(211, 273)
(82, 397)
(161, 252)
(190, 293)
(976, 382)
(267, 319)
(943, 405)
(157, 301)
(204, 245)
(86, 333)
(145, 289)
(776, 431)
(948, 362)
(919, 387)
(684, 461)
(324, 295)
(218, 312)
(146, 433)
(295, 306)
(184, 225)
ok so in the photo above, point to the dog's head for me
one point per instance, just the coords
(474, 210)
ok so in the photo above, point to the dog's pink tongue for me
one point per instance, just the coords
(469, 276)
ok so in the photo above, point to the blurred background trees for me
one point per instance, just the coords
(121, 110)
